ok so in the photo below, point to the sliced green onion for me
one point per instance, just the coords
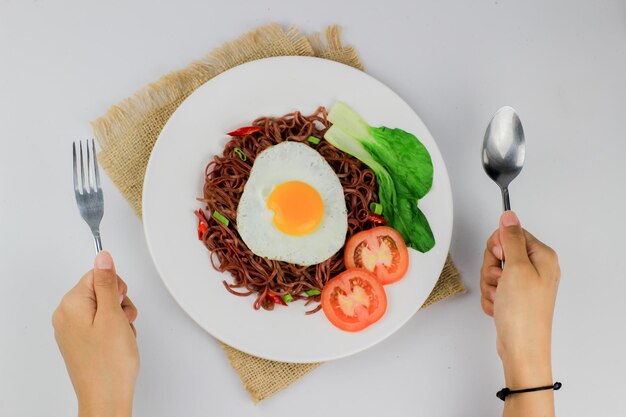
(314, 140)
(240, 154)
(376, 208)
(313, 292)
(287, 298)
(220, 218)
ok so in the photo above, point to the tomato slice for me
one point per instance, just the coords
(380, 250)
(354, 299)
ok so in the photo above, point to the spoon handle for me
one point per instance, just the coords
(507, 206)
(505, 198)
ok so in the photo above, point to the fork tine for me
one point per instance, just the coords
(82, 169)
(90, 184)
(95, 165)
(75, 170)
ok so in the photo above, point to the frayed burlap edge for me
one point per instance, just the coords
(127, 132)
(263, 378)
(448, 285)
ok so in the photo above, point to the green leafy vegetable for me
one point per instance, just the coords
(287, 298)
(313, 292)
(403, 168)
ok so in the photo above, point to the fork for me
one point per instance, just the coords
(88, 190)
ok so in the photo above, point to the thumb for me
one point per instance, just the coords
(512, 238)
(105, 282)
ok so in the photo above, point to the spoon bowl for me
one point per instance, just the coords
(504, 150)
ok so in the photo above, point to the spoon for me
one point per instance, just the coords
(504, 149)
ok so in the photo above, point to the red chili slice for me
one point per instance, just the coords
(246, 130)
(276, 299)
(203, 223)
(375, 218)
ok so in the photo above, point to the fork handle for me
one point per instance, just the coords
(97, 241)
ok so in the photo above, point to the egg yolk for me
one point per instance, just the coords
(298, 208)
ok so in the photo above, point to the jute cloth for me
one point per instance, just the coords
(128, 131)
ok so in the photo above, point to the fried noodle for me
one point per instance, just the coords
(225, 178)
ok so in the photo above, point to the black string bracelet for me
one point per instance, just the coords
(502, 394)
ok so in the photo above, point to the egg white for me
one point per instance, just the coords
(291, 161)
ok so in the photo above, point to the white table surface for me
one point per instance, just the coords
(562, 65)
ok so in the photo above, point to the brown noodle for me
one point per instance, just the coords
(225, 178)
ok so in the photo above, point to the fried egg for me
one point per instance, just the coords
(292, 208)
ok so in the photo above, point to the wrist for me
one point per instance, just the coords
(82, 413)
(96, 413)
(527, 371)
(102, 409)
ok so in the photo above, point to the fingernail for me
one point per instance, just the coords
(491, 293)
(509, 218)
(103, 261)
(497, 252)
(121, 298)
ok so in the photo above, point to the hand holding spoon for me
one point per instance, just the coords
(504, 149)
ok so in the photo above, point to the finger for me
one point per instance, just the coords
(487, 306)
(490, 271)
(129, 309)
(491, 293)
(542, 256)
(532, 242)
(512, 238)
(79, 302)
(488, 292)
(489, 260)
(84, 288)
(122, 288)
(489, 283)
(494, 245)
(105, 283)
(492, 275)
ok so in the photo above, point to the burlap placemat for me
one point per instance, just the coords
(128, 131)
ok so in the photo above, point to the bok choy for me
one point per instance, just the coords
(403, 168)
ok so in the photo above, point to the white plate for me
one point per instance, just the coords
(174, 179)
